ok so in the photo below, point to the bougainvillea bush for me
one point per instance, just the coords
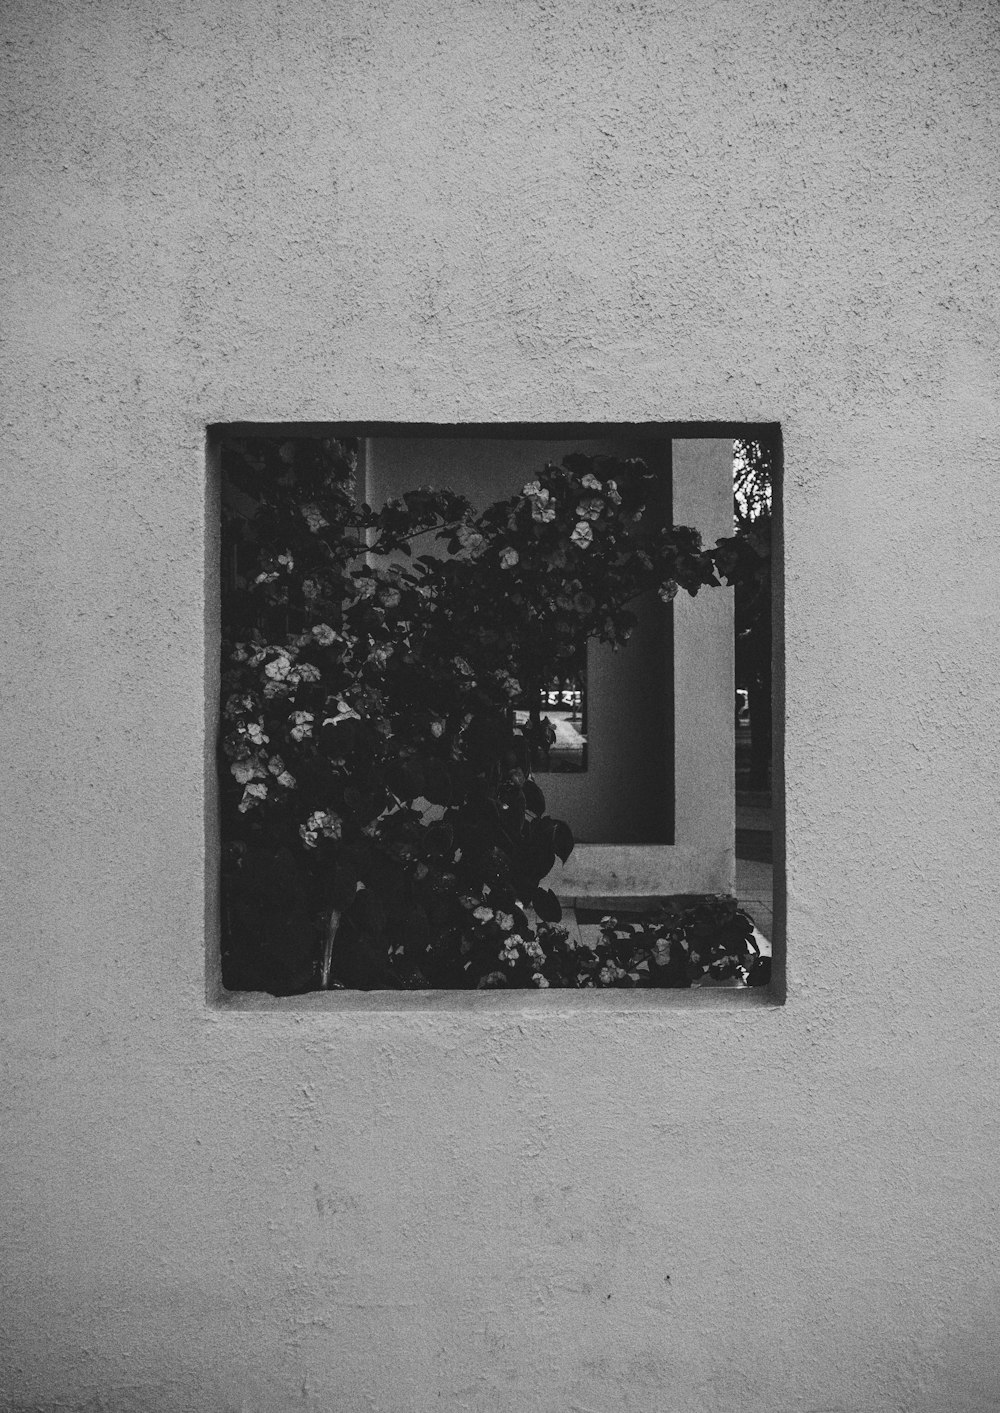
(682, 942)
(381, 826)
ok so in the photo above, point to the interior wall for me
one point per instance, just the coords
(778, 212)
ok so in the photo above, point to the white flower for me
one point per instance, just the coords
(266, 578)
(310, 589)
(508, 952)
(539, 979)
(508, 557)
(344, 713)
(583, 534)
(302, 725)
(251, 795)
(533, 949)
(320, 822)
(324, 634)
(429, 813)
(510, 684)
(590, 509)
(611, 491)
(237, 703)
(505, 921)
(667, 591)
(255, 732)
(543, 506)
(287, 560)
(463, 667)
(246, 770)
(279, 669)
(483, 914)
(591, 483)
(276, 765)
(287, 780)
(437, 729)
(315, 518)
(307, 672)
(471, 541)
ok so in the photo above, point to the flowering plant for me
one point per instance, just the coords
(381, 826)
(681, 942)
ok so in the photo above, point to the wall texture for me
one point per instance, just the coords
(457, 210)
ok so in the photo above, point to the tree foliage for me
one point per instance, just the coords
(749, 568)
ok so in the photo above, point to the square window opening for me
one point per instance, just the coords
(476, 714)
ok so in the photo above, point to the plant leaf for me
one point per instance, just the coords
(562, 839)
(547, 905)
(533, 798)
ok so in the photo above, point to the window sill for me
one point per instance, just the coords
(544, 1004)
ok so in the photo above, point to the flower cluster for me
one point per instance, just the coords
(320, 822)
(676, 942)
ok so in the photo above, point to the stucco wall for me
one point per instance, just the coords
(782, 211)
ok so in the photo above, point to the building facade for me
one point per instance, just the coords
(452, 212)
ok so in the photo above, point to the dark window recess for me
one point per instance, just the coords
(437, 675)
(554, 720)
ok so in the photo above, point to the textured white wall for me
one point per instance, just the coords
(454, 210)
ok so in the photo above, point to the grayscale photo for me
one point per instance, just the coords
(499, 606)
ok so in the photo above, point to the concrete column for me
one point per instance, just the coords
(702, 858)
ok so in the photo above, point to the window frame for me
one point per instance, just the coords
(542, 1001)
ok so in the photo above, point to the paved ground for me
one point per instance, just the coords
(754, 872)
